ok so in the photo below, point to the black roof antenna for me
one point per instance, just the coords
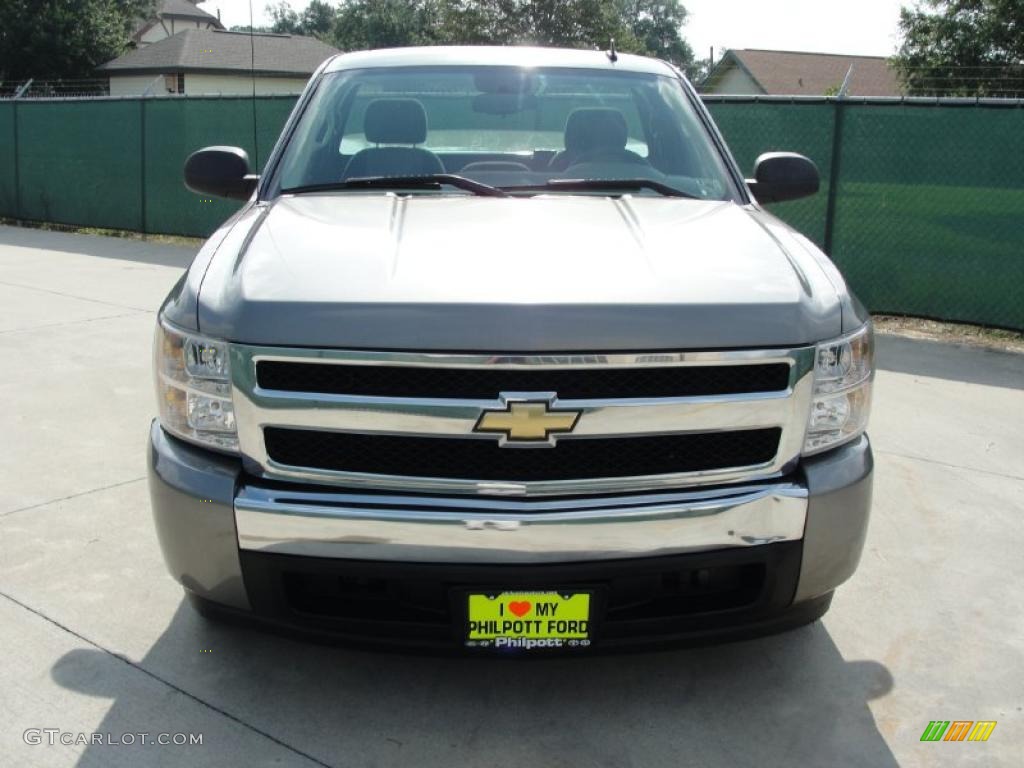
(610, 53)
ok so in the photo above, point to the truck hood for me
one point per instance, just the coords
(547, 273)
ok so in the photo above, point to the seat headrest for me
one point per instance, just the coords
(595, 129)
(395, 121)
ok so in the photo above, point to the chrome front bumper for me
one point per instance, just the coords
(205, 513)
(460, 530)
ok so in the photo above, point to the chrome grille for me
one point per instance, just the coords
(585, 458)
(405, 421)
(485, 383)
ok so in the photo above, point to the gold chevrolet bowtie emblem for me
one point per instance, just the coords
(527, 422)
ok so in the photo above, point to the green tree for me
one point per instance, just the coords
(566, 23)
(649, 27)
(362, 24)
(65, 39)
(316, 19)
(655, 29)
(962, 48)
(285, 19)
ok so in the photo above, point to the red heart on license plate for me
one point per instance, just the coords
(519, 608)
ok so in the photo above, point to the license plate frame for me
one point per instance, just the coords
(577, 603)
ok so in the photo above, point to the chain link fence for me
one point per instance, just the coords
(922, 201)
(35, 88)
(921, 206)
(117, 162)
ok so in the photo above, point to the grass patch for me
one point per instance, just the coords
(954, 333)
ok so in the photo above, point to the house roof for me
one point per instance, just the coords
(184, 9)
(792, 73)
(175, 9)
(214, 50)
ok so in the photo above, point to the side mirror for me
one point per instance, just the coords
(221, 172)
(780, 176)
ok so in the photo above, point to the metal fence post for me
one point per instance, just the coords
(142, 163)
(834, 173)
(17, 147)
(17, 164)
(835, 162)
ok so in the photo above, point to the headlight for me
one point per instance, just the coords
(193, 388)
(843, 370)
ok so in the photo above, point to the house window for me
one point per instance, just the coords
(175, 83)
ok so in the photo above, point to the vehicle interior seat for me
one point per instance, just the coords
(390, 122)
(595, 134)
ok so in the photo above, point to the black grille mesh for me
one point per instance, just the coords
(485, 384)
(482, 459)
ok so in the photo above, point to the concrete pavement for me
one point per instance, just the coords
(97, 638)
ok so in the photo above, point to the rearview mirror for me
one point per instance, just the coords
(503, 104)
(221, 172)
(505, 80)
(780, 176)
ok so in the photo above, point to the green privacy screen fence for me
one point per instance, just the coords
(922, 202)
(117, 163)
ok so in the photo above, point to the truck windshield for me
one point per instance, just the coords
(513, 128)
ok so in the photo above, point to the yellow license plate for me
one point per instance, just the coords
(528, 620)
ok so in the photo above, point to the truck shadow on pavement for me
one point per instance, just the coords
(260, 699)
(954, 362)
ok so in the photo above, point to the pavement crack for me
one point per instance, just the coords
(73, 296)
(912, 457)
(152, 675)
(73, 496)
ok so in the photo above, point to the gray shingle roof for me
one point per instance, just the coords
(175, 9)
(185, 9)
(209, 50)
(794, 72)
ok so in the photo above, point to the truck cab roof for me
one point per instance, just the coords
(510, 56)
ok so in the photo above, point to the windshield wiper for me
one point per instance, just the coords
(618, 185)
(425, 181)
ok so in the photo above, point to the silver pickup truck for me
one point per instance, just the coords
(502, 354)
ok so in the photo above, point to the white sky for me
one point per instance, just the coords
(865, 27)
(236, 12)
